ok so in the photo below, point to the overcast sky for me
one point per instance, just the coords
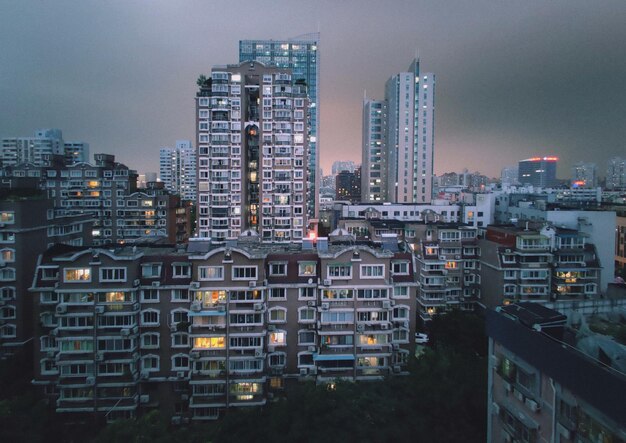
(515, 79)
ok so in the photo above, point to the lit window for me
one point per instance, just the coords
(209, 342)
(77, 275)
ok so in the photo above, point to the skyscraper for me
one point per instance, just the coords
(538, 171)
(616, 173)
(373, 166)
(301, 55)
(252, 153)
(16, 150)
(409, 138)
(584, 175)
(177, 169)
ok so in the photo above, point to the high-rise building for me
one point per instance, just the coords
(584, 175)
(301, 55)
(538, 171)
(16, 150)
(348, 186)
(177, 169)
(408, 146)
(252, 153)
(373, 166)
(340, 166)
(616, 173)
(509, 176)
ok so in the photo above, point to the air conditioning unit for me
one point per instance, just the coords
(136, 282)
(384, 326)
(395, 346)
(252, 283)
(176, 419)
(304, 371)
(457, 257)
(386, 304)
(325, 306)
(135, 329)
(443, 257)
(312, 326)
(265, 283)
(271, 327)
(50, 354)
(194, 285)
(532, 405)
(180, 374)
(194, 355)
(99, 356)
(360, 327)
(174, 327)
(62, 309)
(327, 282)
(125, 332)
(145, 398)
(271, 348)
(396, 369)
(99, 309)
(144, 375)
(156, 284)
(90, 381)
(196, 306)
(221, 308)
(405, 324)
(507, 251)
(312, 348)
(258, 353)
(258, 306)
(311, 303)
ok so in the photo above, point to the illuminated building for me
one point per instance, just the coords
(584, 175)
(538, 171)
(46, 142)
(252, 153)
(177, 169)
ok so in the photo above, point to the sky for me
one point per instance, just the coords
(515, 79)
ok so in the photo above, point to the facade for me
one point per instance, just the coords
(177, 169)
(553, 376)
(28, 226)
(616, 174)
(339, 166)
(107, 190)
(509, 176)
(252, 154)
(35, 149)
(538, 171)
(195, 332)
(584, 175)
(301, 55)
(541, 264)
(447, 268)
(348, 186)
(620, 244)
(373, 161)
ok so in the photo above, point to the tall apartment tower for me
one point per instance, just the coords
(584, 175)
(177, 169)
(301, 55)
(15, 150)
(408, 146)
(616, 173)
(252, 153)
(373, 165)
(538, 171)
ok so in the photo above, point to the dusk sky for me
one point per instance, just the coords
(515, 79)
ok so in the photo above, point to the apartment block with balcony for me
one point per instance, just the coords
(193, 332)
(556, 375)
(538, 263)
(447, 266)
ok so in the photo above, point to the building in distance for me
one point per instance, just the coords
(538, 171)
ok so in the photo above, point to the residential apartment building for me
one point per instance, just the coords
(374, 160)
(348, 186)
(177, 169)
(539, 264)
(584, 175)
(555, 376)
(193, 332)
(447, 268)
(616, 174)
(301, 56)
(15, 150)
(252, 153)
(28, 226)
(108, 190)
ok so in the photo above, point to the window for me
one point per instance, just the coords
(218, 342)
(150, 295)
(210, 273)
(150, 340)
(150, 270)
(401, 291)
(150, 363)
(181, 270)
(180, 362)
(306, 293)
(7, 274)
(180, 295)
(337, 317)
(113, 274)
(77, 275)
(278, 338)
(244, 272)
(306, 338)
(307, 268)
(306, 315)
(277, 359)
(371, 294)
(372, 271)
(278, 315)
(7, 217)
(8, 293)
(339, 271)
(150, 317)
(277, 269)
(337, 340)
(8, 255)
(400, 268)
(277, 293)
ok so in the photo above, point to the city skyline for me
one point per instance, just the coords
(515, 80)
